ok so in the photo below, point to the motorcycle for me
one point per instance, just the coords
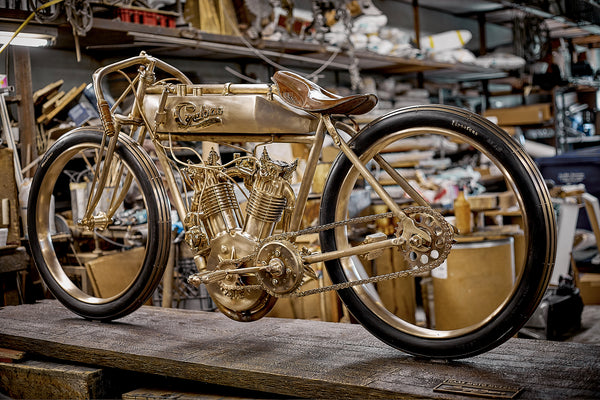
(247, 252)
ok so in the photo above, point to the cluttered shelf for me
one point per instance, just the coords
(189, 42)
(193, 43)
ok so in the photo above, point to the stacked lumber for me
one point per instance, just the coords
(53, 100)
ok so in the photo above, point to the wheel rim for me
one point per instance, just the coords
(44, 236)
(354, 270)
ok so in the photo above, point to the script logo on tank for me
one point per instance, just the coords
(188, 115)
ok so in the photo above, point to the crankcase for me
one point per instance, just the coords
(230, 294)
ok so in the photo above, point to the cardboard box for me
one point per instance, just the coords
(574, 168)
(112, 273)
(589, 286)
(522, 115)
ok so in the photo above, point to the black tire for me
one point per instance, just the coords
(153, 256)
(521, 175)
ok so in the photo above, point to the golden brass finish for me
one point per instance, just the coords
(227, 243)
(373, 238)
(283, 268)
(242, 218)
(271, 195)
(236, 114)
(89, 151)
(353, 251)
(409, 229)
(99, 221)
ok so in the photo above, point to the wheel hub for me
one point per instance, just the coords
(416, 251)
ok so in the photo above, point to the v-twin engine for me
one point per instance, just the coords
(218, 230)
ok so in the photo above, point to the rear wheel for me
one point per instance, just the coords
(136, 240)
(490, 284)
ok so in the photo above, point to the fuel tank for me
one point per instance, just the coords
(190, 112)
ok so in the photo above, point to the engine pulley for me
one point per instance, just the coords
(285, 268)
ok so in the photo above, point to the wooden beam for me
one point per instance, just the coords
(591, 40)
(34, 379)
(51, 103)
(10, 356)
(61, 103)
(45, 92)
(416, 22)
(27, 133)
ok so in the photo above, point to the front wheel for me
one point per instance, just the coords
(491, 282)
(134, 246)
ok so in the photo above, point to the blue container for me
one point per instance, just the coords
(573, 168)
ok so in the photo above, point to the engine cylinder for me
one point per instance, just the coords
(263, 212)
(220, 209)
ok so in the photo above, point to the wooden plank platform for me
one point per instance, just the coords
(292, 357)
(33, 379)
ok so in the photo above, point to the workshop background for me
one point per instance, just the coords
(532, 67)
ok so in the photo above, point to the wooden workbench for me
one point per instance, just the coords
(300, 358)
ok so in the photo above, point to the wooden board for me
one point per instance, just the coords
(61, 103)
(34, 379)
(51, 103)
(8, 190)
(292, 357)
(168, 394)
(43, 93)
(9, 355)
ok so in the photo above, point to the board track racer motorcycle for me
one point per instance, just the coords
(243, 217)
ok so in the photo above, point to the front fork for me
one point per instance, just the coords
(105, 168)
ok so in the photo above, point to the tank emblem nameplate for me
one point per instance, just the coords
(189, 115)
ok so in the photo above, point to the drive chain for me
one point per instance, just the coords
(447, 237)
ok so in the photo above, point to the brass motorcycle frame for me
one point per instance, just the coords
(248, 255)
(228, 113)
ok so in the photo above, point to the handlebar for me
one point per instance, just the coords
(143, 59)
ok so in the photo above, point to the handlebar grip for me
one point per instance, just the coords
(106, 117)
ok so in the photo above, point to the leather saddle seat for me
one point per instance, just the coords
(308, 96)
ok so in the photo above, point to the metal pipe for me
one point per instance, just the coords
(309, 173)
(401, 181)
(172, 185)
(218, 89)
(353, 251)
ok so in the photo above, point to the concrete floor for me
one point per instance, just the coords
(590, 326)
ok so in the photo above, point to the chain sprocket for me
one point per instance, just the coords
(420, 254)
(286, 268)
